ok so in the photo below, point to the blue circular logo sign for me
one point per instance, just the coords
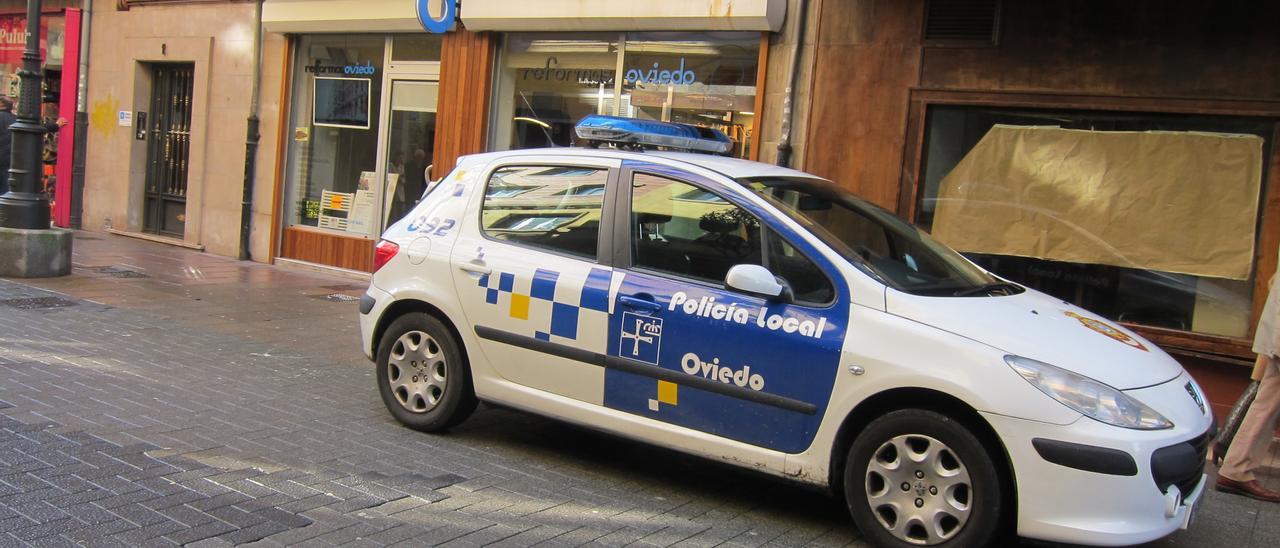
(437, 15)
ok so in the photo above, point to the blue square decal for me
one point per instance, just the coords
(541, 336)
(491, 296)
(484, 280)
(544, 285)
(595, 294)
(564, 320)
(506, 282)
(641, 337)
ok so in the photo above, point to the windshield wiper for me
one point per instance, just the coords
(1008, 288)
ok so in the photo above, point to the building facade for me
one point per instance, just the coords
(170, 87)
(1116, 156)
(374, 107)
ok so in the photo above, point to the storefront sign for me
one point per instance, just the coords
(367, 69)
(659, 75)
(551, 72)
(437, 16)
(13, 39)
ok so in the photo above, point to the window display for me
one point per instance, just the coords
(550, 81)
(330, 176)
(1148, 219)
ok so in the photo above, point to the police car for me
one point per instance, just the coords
(765, 317)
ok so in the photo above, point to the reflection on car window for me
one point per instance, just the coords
(556, 208)
(900, 254)
(699, 239)
(691, 232)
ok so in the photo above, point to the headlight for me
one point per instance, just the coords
(1087, 396)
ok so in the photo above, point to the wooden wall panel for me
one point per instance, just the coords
(466, 71)
(868, 57)
(317, 247)
(1137, 48)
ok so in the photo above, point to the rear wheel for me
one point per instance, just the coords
(423, 377)
(915, 477)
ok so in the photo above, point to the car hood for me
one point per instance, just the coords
(1037, 326)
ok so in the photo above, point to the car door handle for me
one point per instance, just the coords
(639, 303)
(474, 268)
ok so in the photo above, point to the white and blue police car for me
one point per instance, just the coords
(767, 318)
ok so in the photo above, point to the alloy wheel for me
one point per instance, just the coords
(918, 489)
(416, 371)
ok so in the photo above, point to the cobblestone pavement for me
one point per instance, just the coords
(160, 396)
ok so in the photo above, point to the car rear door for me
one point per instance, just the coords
(530, 272)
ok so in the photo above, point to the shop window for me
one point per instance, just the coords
(331, 174)
(550, 81)
(538, 206)
(415, 47)
(1145, 218)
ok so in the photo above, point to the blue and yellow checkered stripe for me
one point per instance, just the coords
(564, 315)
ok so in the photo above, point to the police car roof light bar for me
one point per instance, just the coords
(651, 133)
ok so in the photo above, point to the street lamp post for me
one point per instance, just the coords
(26, 206)
(29, 247)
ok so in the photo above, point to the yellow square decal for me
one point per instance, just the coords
(667, 392)
(519, 306)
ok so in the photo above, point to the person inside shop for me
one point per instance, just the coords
(1252, 443)
(415, 177)
(397, 162)
(7, 119)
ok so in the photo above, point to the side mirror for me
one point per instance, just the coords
(754, 279)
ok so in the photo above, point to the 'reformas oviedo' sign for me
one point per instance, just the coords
(659, 75)
(437, 16)
(367, 69)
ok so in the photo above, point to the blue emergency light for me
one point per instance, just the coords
(633, 132)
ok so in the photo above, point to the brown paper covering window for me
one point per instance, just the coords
(1170, 201)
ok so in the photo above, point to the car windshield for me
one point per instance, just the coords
(877, 241)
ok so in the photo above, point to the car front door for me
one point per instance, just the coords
(529, 272)
(686, 350)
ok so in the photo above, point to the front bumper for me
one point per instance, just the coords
(1079, 502)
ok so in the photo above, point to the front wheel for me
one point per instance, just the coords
(423, 377)
(915, 477)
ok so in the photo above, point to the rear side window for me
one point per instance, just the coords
(550, 207)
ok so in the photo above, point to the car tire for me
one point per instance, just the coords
(916, 477)
(423, 376)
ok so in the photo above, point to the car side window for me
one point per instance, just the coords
(550, 207)
(684, 230)
(807, 281)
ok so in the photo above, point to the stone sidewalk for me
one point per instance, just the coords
(160, 396)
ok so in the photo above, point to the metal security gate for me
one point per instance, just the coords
(168, 148)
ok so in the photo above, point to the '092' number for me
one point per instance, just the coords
(434, 227)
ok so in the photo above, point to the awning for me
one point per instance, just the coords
(622, 15)
(301, 16)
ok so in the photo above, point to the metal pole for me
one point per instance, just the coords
(26, 205)
(788, 96)
(251, 139)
